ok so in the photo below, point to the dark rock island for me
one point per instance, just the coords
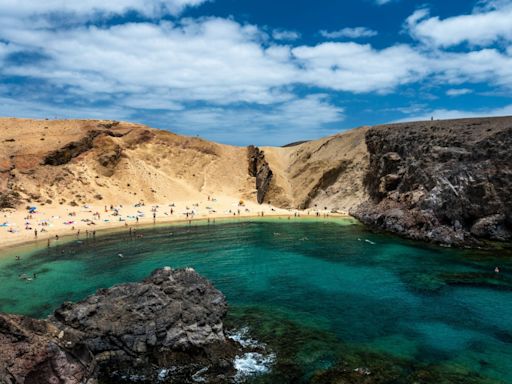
(164, 329)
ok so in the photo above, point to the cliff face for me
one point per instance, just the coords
(443, 181)
(175, 317)
(325, 174)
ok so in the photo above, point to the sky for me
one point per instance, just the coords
(264, 72)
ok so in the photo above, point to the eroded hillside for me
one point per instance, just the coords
(326, 173)
(79, 161)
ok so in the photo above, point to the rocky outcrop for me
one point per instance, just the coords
(74, 149)
(9, 199)
(65, 154)
(172, 319)
(444, 181)
(259, 168)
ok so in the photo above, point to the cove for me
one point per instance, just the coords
(327, 295)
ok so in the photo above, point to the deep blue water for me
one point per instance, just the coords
(323, 294)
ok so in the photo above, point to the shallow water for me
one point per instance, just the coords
(320, 293)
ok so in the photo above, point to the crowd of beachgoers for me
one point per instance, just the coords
(48, 222)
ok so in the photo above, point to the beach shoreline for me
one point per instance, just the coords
(53, 222)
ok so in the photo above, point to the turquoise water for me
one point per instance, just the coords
(325, 295)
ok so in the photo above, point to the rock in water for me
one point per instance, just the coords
(174, 319)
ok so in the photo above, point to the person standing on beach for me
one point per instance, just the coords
(35, 233)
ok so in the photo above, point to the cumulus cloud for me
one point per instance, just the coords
(360, 68)
(480, 66)
(215, 60)
(351, 33)
(479, 28)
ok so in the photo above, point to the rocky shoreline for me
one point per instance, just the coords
(448, 182)
(167, 329)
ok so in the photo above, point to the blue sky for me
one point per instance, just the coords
(263, 72)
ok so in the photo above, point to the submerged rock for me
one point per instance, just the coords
(172, 320)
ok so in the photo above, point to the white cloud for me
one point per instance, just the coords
(351, 33)
(297, 119)
(441, 114)
(286, 35)
(88, 7)
(458, 91)
(486, 65)
(214, 60)
(382, 2)
(360, 68)
(479, 28)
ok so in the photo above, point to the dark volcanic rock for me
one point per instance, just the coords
(444, 181)
(9, 199)
(173, 318)
(74, 149)
(259, 168)
(65, 154)
(34, 352)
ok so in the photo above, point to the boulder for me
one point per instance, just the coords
(173, 318)
(492, 227)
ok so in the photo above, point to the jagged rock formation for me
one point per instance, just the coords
(443, 181)
(259, 168)
(175, 317)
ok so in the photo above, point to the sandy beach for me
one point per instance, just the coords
(49, 223)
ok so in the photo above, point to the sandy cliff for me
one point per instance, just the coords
(77, 162)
